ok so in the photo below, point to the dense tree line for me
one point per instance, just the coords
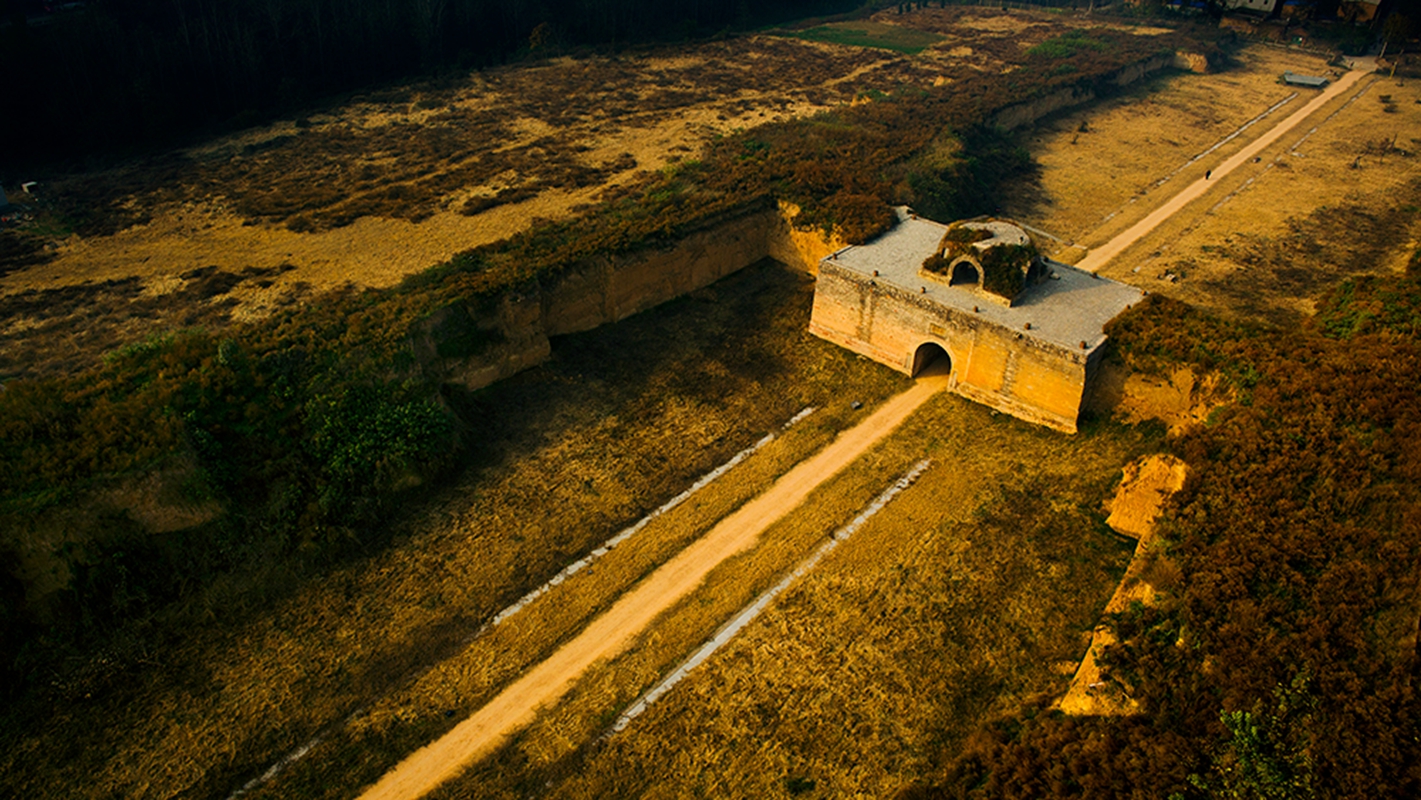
(129, 73)
(1282, 662)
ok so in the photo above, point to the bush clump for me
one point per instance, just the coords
(1068, 44)
(1005, 268)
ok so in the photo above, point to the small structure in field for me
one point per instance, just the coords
(1310, 81)
(1020, 333)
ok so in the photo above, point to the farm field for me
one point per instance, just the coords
(1316, 208)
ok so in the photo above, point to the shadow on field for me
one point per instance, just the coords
(708, 348)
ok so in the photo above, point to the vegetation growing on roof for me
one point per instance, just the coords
(1005, 268)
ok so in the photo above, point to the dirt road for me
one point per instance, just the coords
(611, 633)
(1098, 257)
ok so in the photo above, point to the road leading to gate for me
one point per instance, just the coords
(1098, 257)
(610, 634)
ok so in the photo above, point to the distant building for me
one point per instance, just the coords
(1018, 333)
(1264, 7)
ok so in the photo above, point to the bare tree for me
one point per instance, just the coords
(1396, 27)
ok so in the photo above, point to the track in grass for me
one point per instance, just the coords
(611, 633)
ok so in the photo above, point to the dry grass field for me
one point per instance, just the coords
(969, 593)
(1315, 208)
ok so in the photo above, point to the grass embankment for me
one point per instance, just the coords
(1281, 660)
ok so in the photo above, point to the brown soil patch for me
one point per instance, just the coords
(1181, 399)
(1003, 23)
(1144, 488)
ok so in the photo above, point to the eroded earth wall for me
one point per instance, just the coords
(1022, 114)
(476, 346)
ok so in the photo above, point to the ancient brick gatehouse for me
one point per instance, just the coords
(1022, 334)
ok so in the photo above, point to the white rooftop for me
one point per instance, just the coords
(1002, 233)
(1304, 80)
(1067, 310)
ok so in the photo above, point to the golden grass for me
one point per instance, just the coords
(928, 587)
(1223, 250)
(1100, 164)
(1283, 231)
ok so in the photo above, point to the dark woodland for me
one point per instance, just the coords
(114, 76)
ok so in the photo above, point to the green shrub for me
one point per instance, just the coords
(1004, 268)
(1068, 45)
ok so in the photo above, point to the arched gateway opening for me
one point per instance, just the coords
(931, 357)
(965, 274)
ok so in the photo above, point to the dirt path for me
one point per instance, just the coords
(1100, 256)
(611, 633)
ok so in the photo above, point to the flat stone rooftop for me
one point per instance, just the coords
(1066, 310)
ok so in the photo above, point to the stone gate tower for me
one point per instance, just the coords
(1023, 334)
